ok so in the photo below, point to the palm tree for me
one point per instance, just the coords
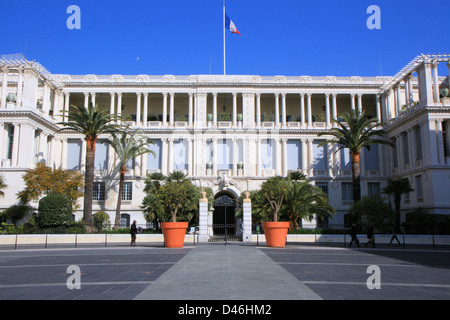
(91, 122)
(397, 188)
(128, 146)
(355, 131)
(304, 201)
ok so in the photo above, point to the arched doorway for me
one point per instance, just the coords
(224, 218)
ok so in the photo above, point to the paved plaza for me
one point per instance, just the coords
(219, 272)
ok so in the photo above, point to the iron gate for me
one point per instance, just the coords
(224, 220)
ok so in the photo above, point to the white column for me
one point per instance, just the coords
(145, 113)
(327, 110)
(172, 109)
(214, 156)
(190, 161)
(334, 107)
(86, 98)
(283, 110)
(398, 106)
(352, 101)
(170, 155)
(302, 109)
(138, 109)
(46, 99)
(93, 94)
(164, 154)
(310, 158)
(191, 111)
(277, 110)
(377, 97)
(214, 109)
(4, 87)
(164, 121)
(15, 147)
(309, 110)
(119, 105)
(359, 95)
(278, 156)
(234, 110)
(19, 88)
(64, 150)
(235, 158)
(66, 105)
(304, 157)
(440, 141)
(258, 158)
(258, 110)
(436, 83)
(285, 158)
(112, 110)
(56, 113)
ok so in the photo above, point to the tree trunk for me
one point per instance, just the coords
(89, 181)
(356, 175)
(123, 170)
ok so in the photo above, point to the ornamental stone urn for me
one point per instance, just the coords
(239, 117)
(240, 165)
(444, 92)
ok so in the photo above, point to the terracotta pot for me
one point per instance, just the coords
(276, 233)
(174, 233)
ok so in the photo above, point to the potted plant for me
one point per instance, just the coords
(274, 191)
(179, 196)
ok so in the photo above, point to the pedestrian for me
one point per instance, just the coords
(353, 233)
(133, 231)
(370, 235)
(394, 235)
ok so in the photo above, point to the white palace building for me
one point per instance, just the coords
(231, 133)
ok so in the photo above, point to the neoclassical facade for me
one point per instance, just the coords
(231, 133)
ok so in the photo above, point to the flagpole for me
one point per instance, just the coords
(224, 44)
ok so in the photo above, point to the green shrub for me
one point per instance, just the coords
(419, 221)
(55, 214)
(101, 221)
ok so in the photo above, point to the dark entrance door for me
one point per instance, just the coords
(224, 219)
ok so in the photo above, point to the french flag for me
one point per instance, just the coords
(229, 24)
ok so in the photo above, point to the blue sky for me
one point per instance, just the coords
(183, 37)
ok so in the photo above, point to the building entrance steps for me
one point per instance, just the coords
(232, 272)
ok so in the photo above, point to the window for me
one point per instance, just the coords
(267, 154)
(101, 155)
(224, 154)
(445, 125)
(124, 220)
(405, 148)
(347, 191)
(419, 188)
(154, 162)
(73, 154)
(418, 132)
(319, 156)
(294, 154)
(180, 154)
(373, 189)
(371, 158)
(99, 191)
(10, 141)
(323, 186)
(394, 153)
(127, 193)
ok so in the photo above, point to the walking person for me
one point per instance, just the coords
(353, 233)
(394, 235)
(370, 235)
(133, 231)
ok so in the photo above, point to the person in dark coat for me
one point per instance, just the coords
(353, 233)
(370, 235)
(394, 235)
(133, 231)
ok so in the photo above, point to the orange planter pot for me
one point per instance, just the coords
(174, 233)
(276, 233)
